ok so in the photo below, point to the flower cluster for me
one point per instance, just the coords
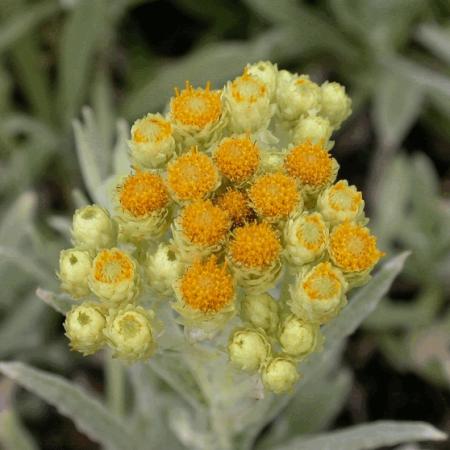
(230, 192)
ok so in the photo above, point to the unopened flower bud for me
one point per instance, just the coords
(316, 129)
(74, 269)
(280, 375)
(261, 311)
(296, 95)
(93, 228)
(84, 327)
(248, 349)
(152, 144)
(130, 333)
(163, 267)
(336, 104)
(267, 73)
(114, 276)
(248, 102)
(299, 338)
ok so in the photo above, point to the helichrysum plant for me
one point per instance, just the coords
(234, 216)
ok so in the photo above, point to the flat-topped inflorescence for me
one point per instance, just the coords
(232, 193)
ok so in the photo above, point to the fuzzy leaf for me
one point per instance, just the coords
(24, 21)
(363, 302)
(370, 436)
(398, 102)
(89, 415)
(61, 303)
(78, 41)
(13, 435)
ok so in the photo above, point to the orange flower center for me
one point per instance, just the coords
(322, 283)
(247, 88)
(235, 204)
(196, 107)
(151, 129)
(192, 176)
(255, 245)
(310, 163)
(274, 195)
(312, 234)
(204, 224)
(344, 198)
(143, 193)
(112, 266)
(207, 287)
(237, 158)
(353, 248)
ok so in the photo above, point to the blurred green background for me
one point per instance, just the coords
(123, 58)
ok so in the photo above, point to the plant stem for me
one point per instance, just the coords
(115, 385)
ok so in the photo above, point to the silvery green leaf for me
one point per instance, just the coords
(171, 368)
(89, 415)
(61, 224)
(121, 162)
(312, 408)
(429, 79)
(26, 57)
(61, 303)
(397, 104)
(103, 105)
(394, 193)
(93, 158)
(27, 264)
(391, 315)
(308, 23)
(16, 332)
(24, 21)
(436, 38)
(79, 198)
(367, 437)
(152, 406)
(13, 435)
(363, 302)
(17, 219)
(76, 54)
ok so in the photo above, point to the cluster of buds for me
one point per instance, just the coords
(230, 192)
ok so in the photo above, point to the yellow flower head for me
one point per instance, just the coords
(196, 107)
(247, 88)
(112, 266)
(237, 158)
(319, 293)
(341, 202)
(192, 176)
(352, 248)
(207, 287)
(114, 276)
(322, 283)
(204, 224)
(275, 196)
(235, 203)
(306, 238)
(152, 143)
(255, 245)
(311, 164)
(152, 128)
(142, 194)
